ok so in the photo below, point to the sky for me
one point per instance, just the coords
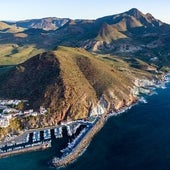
(12, 10)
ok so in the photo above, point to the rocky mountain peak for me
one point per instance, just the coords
(135, 12)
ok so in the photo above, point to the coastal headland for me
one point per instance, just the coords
(87, 137)
(66, 82)
(38, 139)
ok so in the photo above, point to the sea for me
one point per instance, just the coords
(138, 139)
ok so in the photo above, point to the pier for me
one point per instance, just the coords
(25, 148)
(47, 134)
(36, 136)
(37, 139)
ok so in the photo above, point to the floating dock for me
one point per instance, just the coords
(47, 134)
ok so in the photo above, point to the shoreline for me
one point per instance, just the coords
(83, 144)
(42, 146)
(79, 148)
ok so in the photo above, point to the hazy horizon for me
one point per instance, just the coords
(14, 10)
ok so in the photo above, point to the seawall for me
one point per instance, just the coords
(74, 154)
(24, 150)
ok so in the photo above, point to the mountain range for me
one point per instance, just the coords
(131, 33)
(72, 66)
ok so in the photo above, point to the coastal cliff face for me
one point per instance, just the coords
(72, 84)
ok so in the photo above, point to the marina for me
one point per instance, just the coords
(78, 133)
(47, 134)
(38, 139)
(58, 132)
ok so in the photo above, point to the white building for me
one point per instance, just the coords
(4, 122)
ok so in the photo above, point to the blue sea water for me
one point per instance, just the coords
(138, 139)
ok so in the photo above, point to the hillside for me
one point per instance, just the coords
(50, 23)
(132, 34)
(101, 63)
(70, 82)
(11, 54)
(5, 28)
(108, 34)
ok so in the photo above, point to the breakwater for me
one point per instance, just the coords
(38, 146)
(145, 125)
(87, 137)
(77, 150)
(38, 139)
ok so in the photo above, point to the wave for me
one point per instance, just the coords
(142, 100)
(163, 86)
(153, 93)
(120, 111)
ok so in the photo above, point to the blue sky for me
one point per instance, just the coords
(77, 9)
